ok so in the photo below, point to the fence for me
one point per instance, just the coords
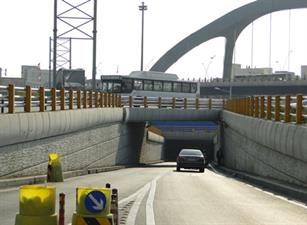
(277, 108)
(19, 99)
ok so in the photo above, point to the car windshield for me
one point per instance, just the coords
(190, 152)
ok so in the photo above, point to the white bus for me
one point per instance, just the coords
(152, 84)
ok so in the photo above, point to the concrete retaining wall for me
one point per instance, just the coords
(85, 139)
(152, 149)
(100, 146)
(266, 148)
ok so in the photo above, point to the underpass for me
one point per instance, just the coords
(159, 195)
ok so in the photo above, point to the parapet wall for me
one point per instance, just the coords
(21, 127)
(266, 148)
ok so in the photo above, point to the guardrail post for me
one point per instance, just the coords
(53, 99)
(197, 103)
(113, 100)
(185, 103)
(28, 99)
(71, 99)
(61, 209)
(277, 108)
(252, 109)
(109, 100)
(105, 99)
(159, 102)
(79, 99)
(119, 101)
(287, 109)
(2, 103)
(145, 102)
(257, 106)
(96, 99)
(11, 98)
(262, 113)
(101, 99)
(248, 106)
(62, 92)
(173, 103)
(42, 99)
(299, 109)
(84, 99)
(224, 104)
(210, 103)
(269, 108)
(90, 99)
(130, 101)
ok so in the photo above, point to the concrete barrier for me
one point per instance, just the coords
(266, 148)
(21, 127)
(147, 114)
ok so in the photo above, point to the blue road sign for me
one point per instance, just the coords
(95, 201)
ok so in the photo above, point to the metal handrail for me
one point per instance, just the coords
(278, 108)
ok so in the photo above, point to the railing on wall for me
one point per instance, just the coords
(19, 99)
(278, 108)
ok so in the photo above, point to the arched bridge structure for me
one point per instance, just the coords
(229, 26)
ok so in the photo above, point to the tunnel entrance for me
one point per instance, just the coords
(173, 147)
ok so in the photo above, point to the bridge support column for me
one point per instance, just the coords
(231, 39)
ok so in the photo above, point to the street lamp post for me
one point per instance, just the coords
(142, 8)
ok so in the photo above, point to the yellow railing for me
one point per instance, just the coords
(26, 99)
(278, 108)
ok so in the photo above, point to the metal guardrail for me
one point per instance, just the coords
(278, 108)
(19, 99)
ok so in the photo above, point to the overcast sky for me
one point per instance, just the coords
(27, 24)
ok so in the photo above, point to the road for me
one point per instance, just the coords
(160, 195)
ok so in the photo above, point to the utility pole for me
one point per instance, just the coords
(142, 8)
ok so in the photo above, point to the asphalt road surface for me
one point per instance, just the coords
(158, 195)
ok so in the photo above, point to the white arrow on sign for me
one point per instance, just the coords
(98, 205)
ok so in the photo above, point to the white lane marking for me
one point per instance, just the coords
(133, 196)
(135, 207)
(150, 216)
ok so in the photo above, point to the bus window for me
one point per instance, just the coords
(127, 86)
(185, 87)
(148, 85)
(104, 86)
(193, 88)
(177, 87)
(158, 85)
(110, 87)
(138, 84)
(167, 86)
(117, 87)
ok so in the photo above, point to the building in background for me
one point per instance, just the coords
(35, 77)
(261, 74)
(304, 72)
(17, 81)
(237, 70)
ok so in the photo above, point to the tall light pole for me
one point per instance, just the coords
(142, 8)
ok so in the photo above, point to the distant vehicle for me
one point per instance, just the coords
(304, 103)
(70, 79)
(151, 84)
(191, 159)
